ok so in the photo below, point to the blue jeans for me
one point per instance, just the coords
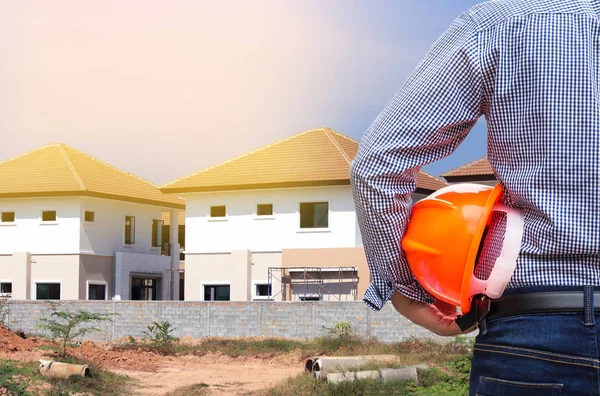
(538, 354)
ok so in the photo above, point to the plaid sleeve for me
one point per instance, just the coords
(425, 121)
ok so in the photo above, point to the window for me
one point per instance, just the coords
(49, 215)
(145, 288)
(157, 228)
(218, 211)
(96, 292)
(5, 289)
(8, 217)
(47, 291)
(216, 292)
(264, 210)
(129, 230)
(263, 290)
(89, 217)
(314, 215)
(311, 298)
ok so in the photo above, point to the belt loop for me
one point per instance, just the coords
(588, 305)
(483, 328)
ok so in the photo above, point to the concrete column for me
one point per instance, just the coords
(174, 244)
(241, 277)
(118, 277)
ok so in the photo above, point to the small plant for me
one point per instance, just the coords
(160, 334)
(340, 330)
(64, 327)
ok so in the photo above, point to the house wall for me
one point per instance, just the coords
(136, 263)
(96, 269)
(242, 230)
(260, 273)
(106, 235)
(29, 234)
(16, 269)
(56, 268)
(232, 269)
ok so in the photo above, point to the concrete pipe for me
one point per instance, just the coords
(50, 368)
(342, 363)
(385, 375)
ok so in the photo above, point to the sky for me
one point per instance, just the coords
(164, 89)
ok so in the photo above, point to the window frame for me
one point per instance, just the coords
(48, 222)
(217, 218)
(314, 229)
(6, 295)
(88, 283)
(255, 284)
(132, 229)
(37, 282)
(8, 223)
(155, 243)
(85, 220)
(264, 217)
(203, 286)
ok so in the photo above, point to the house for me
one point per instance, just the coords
(277, 223)
(478, 171)
(75, 228)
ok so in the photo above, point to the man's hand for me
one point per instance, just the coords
(437, 318)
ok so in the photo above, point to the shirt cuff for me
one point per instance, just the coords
(377, 296)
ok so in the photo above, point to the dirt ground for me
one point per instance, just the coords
(157, 374)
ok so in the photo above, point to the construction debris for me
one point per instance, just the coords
(332, 363)
(385, 375)
(336, 369)
(50, 368)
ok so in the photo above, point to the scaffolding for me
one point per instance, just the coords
(313, 283)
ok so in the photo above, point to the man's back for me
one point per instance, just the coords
(531, 68)
(540, 63)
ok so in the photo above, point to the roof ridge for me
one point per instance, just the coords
(468, 164)
(337, 146)
(342, 135)
(110, 166)
(71, 166)
(266, 146)
(28, 152)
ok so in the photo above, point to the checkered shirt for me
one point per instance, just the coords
(532, 69)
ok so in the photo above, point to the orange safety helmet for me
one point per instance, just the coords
(443, 239)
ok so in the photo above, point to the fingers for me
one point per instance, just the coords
(428, 316)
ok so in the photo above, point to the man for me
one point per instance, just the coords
(532, 69)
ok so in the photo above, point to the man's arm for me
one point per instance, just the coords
(425, 121)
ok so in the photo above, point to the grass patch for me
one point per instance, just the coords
(449, 375)
(23, 379)
(200, 389)
(98, 382)
(18, 378)
(243, 347)
(409, 352)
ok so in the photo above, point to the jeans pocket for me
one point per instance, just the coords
(499, 387)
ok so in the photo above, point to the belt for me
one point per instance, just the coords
(524, 304)
(543, 302)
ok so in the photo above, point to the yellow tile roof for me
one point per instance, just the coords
(316, 157)
(60, 170)
(478, 167)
